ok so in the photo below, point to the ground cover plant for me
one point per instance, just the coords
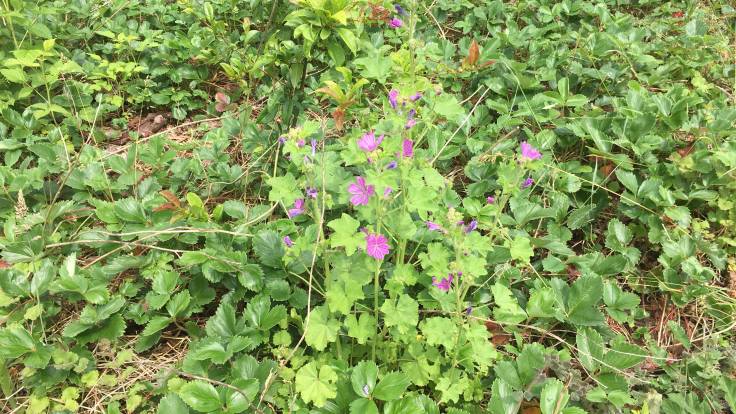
(334, 206)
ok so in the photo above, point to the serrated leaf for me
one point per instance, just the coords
(507, 308)
(346, 234)
(269, 247)
(582, 303)
(391, 386)
(322, 329)
(172, 404)
(554, 397)
(316, 385)
(361, 328)
(129, 210)
(590, 348)
(200, 395)
(403, 313)
(440, 331)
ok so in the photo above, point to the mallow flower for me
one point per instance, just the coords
(297, 209)
(360, 191)
(376, 245)
(369, 143)
(528, 152)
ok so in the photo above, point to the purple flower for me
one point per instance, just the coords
(471, 226)
(432, 226)
(387, 191)
(393, 95)
(410, 121)
(527, 183)
(444, 284)
(314, 147)
(360, 191)
(417, 96)
(298, 208)
(311, 192)
(407, 148)
(468, 310)
(395, 23)
(300, 143)
(400, 10)
(288, 242)
(376, 245)
(528, 152)
(369, 143)
(282, 139)
(392, 165)
(490, 200)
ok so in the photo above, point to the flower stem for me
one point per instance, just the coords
(376, 291)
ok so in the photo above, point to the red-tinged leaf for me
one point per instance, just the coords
(222, 101)
(487, 63)
(171, 197)
(339, 116)
(473, 54)
(4, 264)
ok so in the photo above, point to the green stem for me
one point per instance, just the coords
(376, 291)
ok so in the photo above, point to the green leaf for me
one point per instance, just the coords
(554, 397)
(15, 341)
(541, 303)
(582, 304)
(530, 362)
(375, 66)
(342, 294)
(223, 324)
(172, 404)
(15, 75)
(363, 406)
(178, 304)
(361, 329)
(728, 386)
(447, 106)
(284, 190)
(521, 250)
(507, 308)
(261, 315)
(590, 348)
(129, 210)
(156, 324)
(403, 314)
(269, 248)
(321, 329)
(346, 234)
(628, 180)
(504, 399)
(391, 386)
(201, 396)
(622, 355)
(364, 378)
(315, 385)
(440, 331)
(347, 36)
(679, 334)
